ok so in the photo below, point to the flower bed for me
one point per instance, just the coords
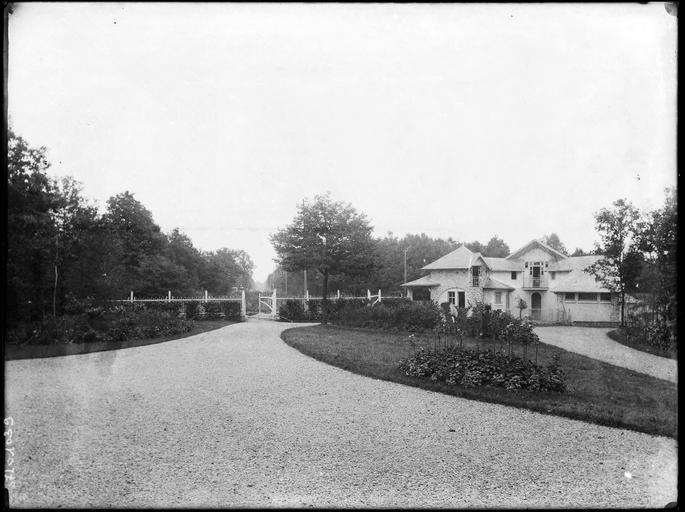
(471, 368)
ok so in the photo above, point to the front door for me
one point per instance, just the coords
(536, 306)
(462, 299)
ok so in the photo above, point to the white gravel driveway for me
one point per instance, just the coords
(594, 342)
(235, 417)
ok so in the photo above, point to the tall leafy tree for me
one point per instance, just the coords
(619, 229)
(79, 245)
(137, 244)
(659, 243)
(326, 235)
(181, 252)
(32, 202)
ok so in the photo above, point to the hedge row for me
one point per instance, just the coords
(126, 324)
(88, 322)
(394, 315)
(406, 315)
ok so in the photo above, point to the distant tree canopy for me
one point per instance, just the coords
(495, 248)
(553, 241)
(60, 247)
(387, 268)
(580, 252)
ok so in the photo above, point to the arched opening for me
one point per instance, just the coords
(536, 306)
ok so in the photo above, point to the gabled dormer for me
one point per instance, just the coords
(536, 258)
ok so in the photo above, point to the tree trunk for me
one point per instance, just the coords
(623, 305)
(54, 290)
(324, 302)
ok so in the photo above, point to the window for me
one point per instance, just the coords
(498, 297)
(475, 273)
(569, 297)
(451, 297)
(587, 297)
(605, 297)
(513, 276)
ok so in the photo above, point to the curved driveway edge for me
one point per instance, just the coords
(594, 342)
(237, 418)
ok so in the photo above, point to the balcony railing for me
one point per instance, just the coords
(535, 282)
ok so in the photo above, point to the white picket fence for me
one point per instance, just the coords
(270, 302)
(205, 298)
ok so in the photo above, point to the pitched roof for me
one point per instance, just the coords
(494, 284)
(574, 263)
(516, 254)
(577, 281)
(422, 281)
(459, 258)
(502, 264)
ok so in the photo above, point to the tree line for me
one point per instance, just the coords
(333, 242)
(382, 258)
(60, 248)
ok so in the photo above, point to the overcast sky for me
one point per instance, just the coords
(453, 120)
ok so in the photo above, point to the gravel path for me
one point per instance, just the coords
(235, 417)
(594, 342)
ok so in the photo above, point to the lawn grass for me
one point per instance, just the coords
(597, 392)
(619, 336)
(14, 352)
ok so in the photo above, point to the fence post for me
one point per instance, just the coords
(206, 296)
(169, 296)
(243, 306)
(379, 295)
(306, 300)
(368, 294)
(274, 308)
(338, 297)
(131, 295)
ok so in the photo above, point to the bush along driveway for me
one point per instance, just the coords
(236, 418)
(595, 343)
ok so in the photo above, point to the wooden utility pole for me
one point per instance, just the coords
(406, 291)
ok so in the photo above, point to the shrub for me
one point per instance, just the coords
(228, 310)
(191, 309)
(102, 323)
(212, 310)
(292, 310)
(232, 310)
(398, 314)
(471, 369)
(653, 331)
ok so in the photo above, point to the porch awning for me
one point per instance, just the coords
(494, 284)
(421, 282)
